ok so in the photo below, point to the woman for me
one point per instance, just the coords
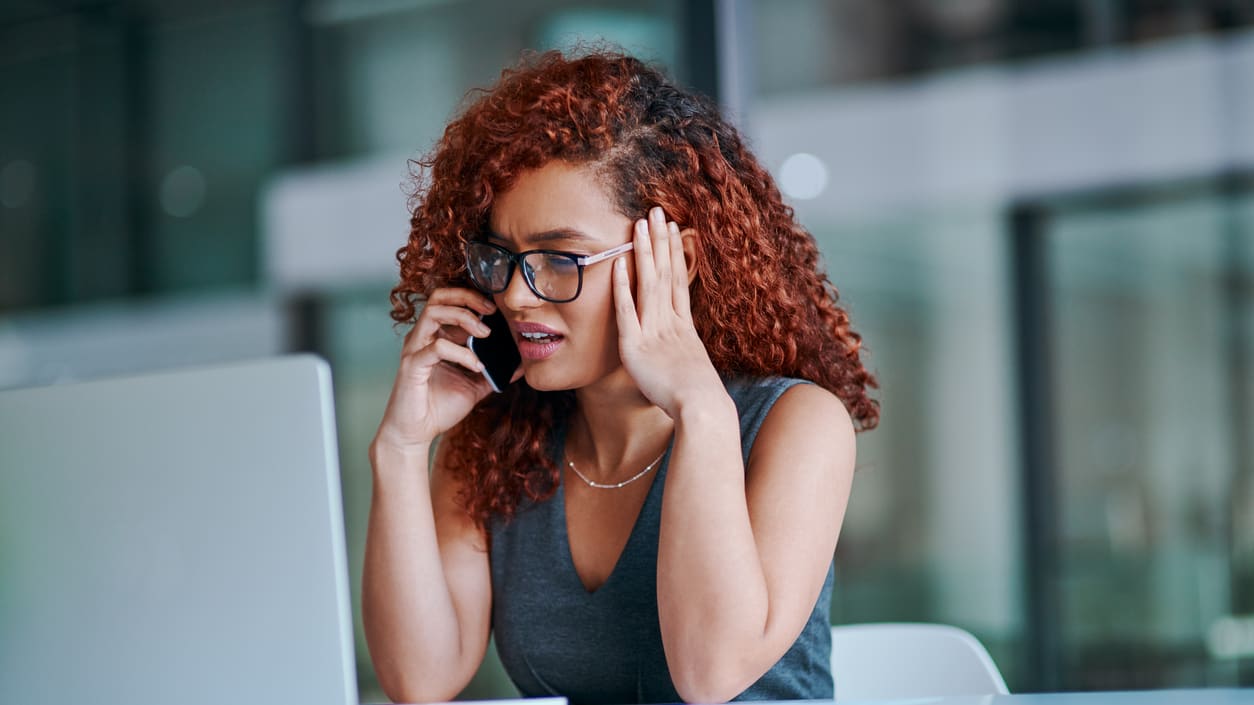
(708, 365)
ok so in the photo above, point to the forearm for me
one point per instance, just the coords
(712, 592)
(410, 617)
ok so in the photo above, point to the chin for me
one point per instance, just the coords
(543, 380)
(548, 377)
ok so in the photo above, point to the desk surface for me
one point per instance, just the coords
(1207, 696)
(1211, 696)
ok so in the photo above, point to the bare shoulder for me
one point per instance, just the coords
(807, 421)
(811, 401)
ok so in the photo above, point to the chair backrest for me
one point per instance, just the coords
(886, 661)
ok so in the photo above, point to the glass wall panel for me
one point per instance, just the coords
(135, 139)
(390, 79)
(1241, 501)
(1150, 424)
(932, 532)
(802, 45)
(62, 216)
(214, 146)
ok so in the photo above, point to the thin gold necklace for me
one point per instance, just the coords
(615, 485)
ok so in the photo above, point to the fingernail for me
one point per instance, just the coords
(642, 226)
(484, 330)
(620, 264)
(673, 227)
(656, 213)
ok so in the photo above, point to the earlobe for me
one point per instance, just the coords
(688, 238)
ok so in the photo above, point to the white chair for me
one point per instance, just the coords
(887, 661)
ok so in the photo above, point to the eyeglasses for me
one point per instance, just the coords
(552, 275)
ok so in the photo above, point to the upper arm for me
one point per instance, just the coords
(798, 480)
(464, 556)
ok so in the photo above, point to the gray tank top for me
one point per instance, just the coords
(556, 638)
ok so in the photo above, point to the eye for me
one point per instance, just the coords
(561, 265)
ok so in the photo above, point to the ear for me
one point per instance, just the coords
(688, 238)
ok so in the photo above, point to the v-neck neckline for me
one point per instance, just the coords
(655, 488)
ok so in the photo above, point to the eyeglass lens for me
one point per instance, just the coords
(550, 276)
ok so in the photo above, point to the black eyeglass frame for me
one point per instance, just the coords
(516, 261)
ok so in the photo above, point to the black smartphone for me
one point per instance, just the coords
(497, 352)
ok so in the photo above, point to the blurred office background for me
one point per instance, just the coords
(1038, 211)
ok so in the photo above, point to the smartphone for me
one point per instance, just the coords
(497, 352)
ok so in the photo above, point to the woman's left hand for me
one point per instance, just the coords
(656, 339)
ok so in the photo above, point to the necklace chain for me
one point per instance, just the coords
(615, 485)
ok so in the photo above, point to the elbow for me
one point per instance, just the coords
(400, 688)
(700, 695)
(705, 690)
(702, 681)
(409, 681)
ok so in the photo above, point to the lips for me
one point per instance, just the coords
(535, 341)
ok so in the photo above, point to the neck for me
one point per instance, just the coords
(614, 428)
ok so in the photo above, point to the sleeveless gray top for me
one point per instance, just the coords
(556, 638)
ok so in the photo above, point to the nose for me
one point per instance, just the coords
(517, 295)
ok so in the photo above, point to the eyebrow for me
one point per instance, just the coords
(548, 236)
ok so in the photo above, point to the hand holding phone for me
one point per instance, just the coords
(497, 352)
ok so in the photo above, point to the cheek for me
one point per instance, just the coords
(597, 321)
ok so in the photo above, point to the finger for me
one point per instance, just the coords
(624, 307)
(459, 317)
(437, 318)
(645, 271)
(456, 334)
(460, 296)
(425, 327)
(659, 233)
(679, 273)
(447, 351)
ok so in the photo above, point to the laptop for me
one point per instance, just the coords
(175, 538)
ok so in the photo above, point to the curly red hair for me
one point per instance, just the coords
(760, 302)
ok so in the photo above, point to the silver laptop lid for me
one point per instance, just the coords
(175, 538)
